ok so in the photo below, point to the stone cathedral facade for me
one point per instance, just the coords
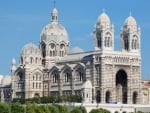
(101, 75)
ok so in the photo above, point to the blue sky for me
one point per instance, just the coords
(21, 22)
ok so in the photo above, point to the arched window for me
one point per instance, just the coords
(36, 60)
(52, 50)
(62, 50)
(105, 42)
(132, 44)
(43, 50)
(33, 85)
(67, 77)
(55, 78)
(134, 97)
(135, 44)
(108, 40)
(99, 42)
(126, 43)
(108, 97)
(31, 60)
(21, 60)
(81, 76)
(36, 76)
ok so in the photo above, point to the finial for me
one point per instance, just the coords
(54, 3)
(103, 10)
(13, 61)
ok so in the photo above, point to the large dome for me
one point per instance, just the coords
(54, 32)
(130, 21)
(30, 48)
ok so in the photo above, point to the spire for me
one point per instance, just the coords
(54, 2)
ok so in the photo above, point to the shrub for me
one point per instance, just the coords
(83, 109)
(4, 108)
(44, 109)
(95, 111)
(30, 108)
(53, 109)
(17, 108)
(62, 109)
(76, 110)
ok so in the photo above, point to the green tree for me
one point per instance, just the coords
(17, 108)
(4, 108)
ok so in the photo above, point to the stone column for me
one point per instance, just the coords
(60, 84)
(27, 83)
(102, 85)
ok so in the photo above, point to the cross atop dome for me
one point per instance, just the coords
(54, 2)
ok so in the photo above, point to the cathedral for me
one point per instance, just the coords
(102, 75)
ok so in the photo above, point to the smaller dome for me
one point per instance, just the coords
(130, 21)
(103, 18)
(54, 10)
(30, 48)
(1, 77)
(6, 80)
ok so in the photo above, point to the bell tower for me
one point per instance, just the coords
(104, 34)
(130, 36)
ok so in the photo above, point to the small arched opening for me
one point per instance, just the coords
(134, 97)
(36, 95)
(98, 97)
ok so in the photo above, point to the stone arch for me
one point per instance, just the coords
(36, 95)
(66, 74)
(55, 77)
(121, 86)
(79, 72)
(134, 97)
